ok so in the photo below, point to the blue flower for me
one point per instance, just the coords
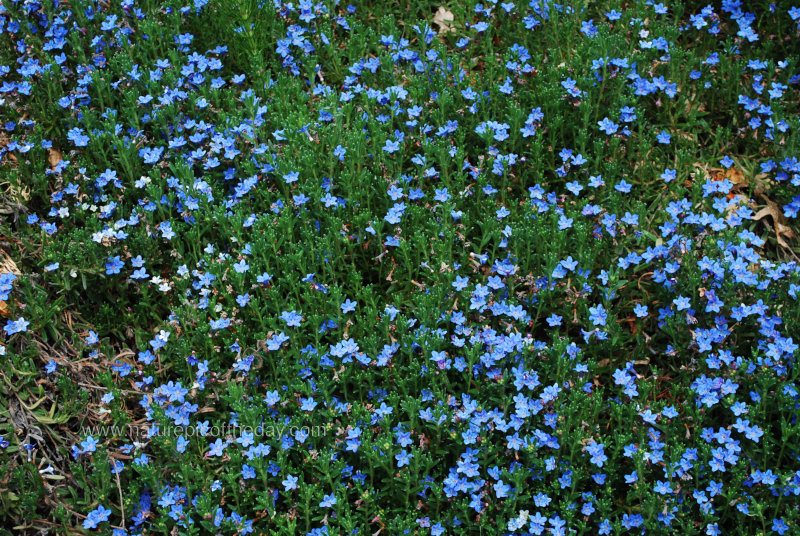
(92, 338)
(623, 187)
(216, 448)
(403, 458)
(289, 483)
(20, 325)
(348, 306)
(113, 265)
(307, 404)
(607, 126)
(328, 501)
(248, 472)
(78, 137)
(597, 315)
(554, 320)
(669, 412)
(501, 489)
(779, 525)
(442, 195)
(89, 444)
(95, 517)
(460, 283)
(682, 303)
(662, 488)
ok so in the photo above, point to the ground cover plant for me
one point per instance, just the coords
(384, 268)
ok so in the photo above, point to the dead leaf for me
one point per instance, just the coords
(781, 229)
(54, 156)
(735, 175)
(7, 264)
(444, 20)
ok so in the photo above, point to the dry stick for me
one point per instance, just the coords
(101, 388)
(119, 488)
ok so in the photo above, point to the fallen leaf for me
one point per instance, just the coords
(735, 175)
(7, 264)
(781, 229)
(444, 20)
(54, 156)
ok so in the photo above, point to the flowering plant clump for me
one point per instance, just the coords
(356, 269)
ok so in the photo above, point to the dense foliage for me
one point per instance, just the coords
(399, 267)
